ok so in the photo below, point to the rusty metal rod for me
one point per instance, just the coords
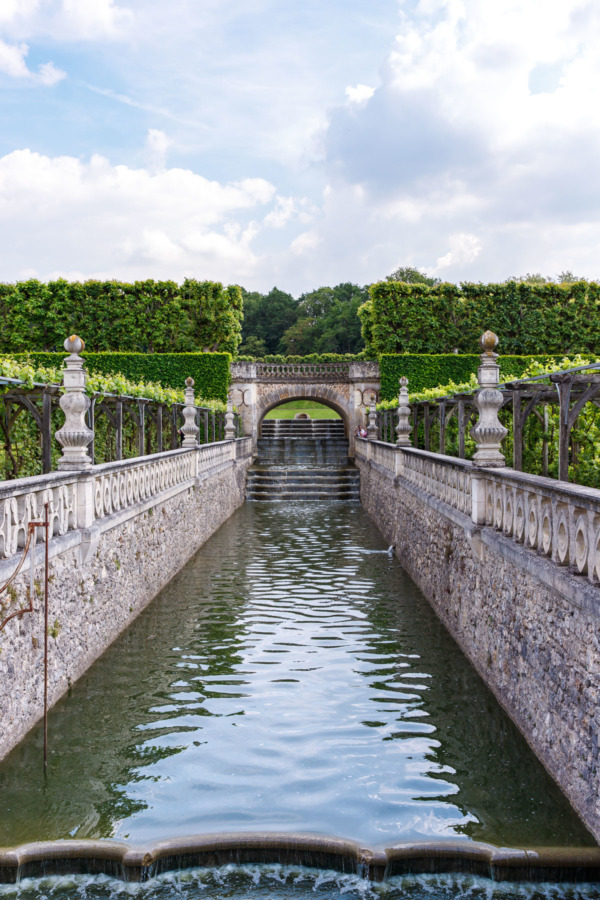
(47, 530)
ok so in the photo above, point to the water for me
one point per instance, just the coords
(274, 882)
(289, 678)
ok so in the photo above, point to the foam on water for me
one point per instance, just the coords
(276, 882)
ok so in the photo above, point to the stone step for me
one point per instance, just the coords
(316, 495)
(309, 432)
(313, 479)
(290, 484)
(266, 483)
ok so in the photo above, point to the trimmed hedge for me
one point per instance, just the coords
(414, 318)
(210, 371)
(140, 317)
(430, 370)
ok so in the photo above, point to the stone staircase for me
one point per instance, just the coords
(302, 459)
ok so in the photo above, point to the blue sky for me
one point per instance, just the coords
(268, 142)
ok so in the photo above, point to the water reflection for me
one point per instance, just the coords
(285, 680)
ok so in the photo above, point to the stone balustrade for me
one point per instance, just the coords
(22, 501)
(82, 499)
(556, 520)
(120, 485)
(553, 519)
(303, 371)
(444, 477)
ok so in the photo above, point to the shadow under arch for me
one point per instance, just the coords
(274, 400)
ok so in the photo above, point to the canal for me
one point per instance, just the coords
(290, 678)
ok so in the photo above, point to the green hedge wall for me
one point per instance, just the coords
(430, 370)
(529, 319)
(210, 371)
(143, 316)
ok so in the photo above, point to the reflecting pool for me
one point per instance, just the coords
(291, 678)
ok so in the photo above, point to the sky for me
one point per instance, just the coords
(272, 142)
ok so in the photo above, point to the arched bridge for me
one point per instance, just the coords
(346, 387)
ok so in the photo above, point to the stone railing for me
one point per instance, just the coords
(556, 520)
(303, 371)
(81, 499)
(444, 477)
(120, 485)
(22, 501)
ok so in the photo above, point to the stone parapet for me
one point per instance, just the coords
(119, 533)
(509, 562)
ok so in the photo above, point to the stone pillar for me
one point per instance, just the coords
(229, 420)
(189, 429)
(489, 432)
(403, 428)
(372, 426)
(74, 437)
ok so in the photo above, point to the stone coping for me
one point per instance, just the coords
(136, 863)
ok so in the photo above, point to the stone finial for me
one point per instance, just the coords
(372, 426)
(489, 432)
(403, 428)
(229, 420)
(189, 429)
(488, 341)
(74, 437)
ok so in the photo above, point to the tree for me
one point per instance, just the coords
(253, 346)
(536, 278)
(267, 316)
(410, 275)
(568, 278)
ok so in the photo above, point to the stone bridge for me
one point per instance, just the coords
(345, 387)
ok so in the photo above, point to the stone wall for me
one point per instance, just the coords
(530, 628)
(99, 584)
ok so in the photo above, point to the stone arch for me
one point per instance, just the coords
(325, 394)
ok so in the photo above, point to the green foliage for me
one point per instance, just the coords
(529, 318)
(328, 321)
(146, 316)
(130, 373)
(309, 358)
(541, 430)
(321, 321)
(410, 275)
(428, 371)
(266, 317)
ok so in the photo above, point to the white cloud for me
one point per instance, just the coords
(482, 139)
(114, 221)
(15, 10)
(464, 248)
(360, 93)
(49, 75)
(305, 243)
(13, 63)
(12, 60)
(94, 19)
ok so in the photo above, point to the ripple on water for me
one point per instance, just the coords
(287, 679)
